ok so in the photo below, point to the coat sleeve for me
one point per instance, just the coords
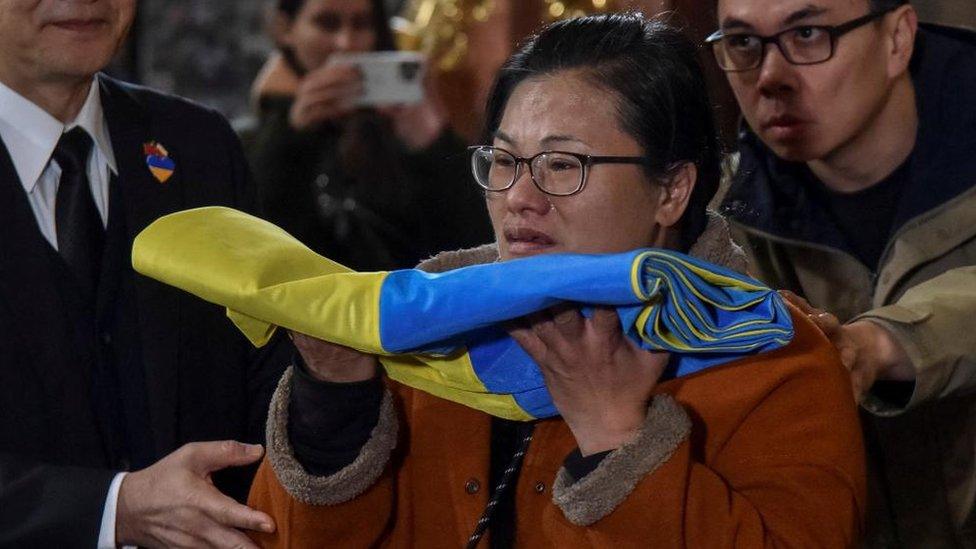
(43, 505)
(791, 474)
(933, 321)
(360, 497)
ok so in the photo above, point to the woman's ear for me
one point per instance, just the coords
(675, 195)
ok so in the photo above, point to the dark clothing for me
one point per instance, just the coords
(506, 437)
(88, 391)
(921, 287)
(330, 422)
(864, 218)
(351, 193)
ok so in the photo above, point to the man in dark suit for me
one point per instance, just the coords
(103, 371)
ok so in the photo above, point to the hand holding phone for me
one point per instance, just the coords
(324, 94)
(388, 77)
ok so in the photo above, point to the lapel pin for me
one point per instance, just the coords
(158, 161)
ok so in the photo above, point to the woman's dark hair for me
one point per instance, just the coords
(651, 69)
(381, 27)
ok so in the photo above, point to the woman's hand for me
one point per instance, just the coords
(335, 363)
(600, 380)
(324, 94)
(418, 126)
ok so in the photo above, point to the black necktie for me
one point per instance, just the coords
(81, 234)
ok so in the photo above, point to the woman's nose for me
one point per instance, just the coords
(344, 38)
(524, 196)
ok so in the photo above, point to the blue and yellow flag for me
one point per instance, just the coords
(441, 333)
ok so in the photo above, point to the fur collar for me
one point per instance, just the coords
(715, 246)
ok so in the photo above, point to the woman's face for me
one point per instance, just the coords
(322, 27)
(616, 209)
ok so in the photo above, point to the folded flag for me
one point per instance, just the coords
(441, 333)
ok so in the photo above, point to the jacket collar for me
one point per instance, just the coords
(774, 196)
(715, 245)
(31, 134)
(131, 126)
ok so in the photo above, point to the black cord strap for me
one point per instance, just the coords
(485, 520)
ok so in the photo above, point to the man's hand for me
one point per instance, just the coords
(334, 363)
(867, 349)
(173, 503)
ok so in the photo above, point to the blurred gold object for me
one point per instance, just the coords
(556, 10)
(439, 28)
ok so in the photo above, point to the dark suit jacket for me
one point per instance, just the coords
(198, 379)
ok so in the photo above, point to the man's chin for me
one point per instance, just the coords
(794, 151)
(78, 57)
(78, 66)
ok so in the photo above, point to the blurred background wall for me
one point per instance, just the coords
(951, 13)
(210, 51)
(202, 49)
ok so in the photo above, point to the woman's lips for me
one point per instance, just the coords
(527, 241)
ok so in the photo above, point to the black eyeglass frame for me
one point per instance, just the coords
(586, 160)
(833, 31)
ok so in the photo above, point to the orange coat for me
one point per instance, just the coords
(773, 458)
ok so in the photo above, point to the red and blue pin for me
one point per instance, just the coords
(158, 161)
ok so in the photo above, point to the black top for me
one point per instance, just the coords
(328, 423)
(865, 218)
(351, 192)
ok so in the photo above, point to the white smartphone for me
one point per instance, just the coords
(389, 77)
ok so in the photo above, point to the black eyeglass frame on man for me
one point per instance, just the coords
(833, 31)
(585, 160)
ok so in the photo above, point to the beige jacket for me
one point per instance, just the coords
(924, 454)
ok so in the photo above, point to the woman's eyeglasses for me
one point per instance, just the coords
(803, 45)
(556, 173)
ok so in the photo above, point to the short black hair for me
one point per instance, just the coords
(885, 5)
(651, 68)
(875, 6)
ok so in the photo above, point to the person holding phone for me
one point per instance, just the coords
(371, 187)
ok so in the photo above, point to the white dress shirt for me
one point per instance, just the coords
(30, 135)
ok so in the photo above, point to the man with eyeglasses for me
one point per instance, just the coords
(855, 190)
